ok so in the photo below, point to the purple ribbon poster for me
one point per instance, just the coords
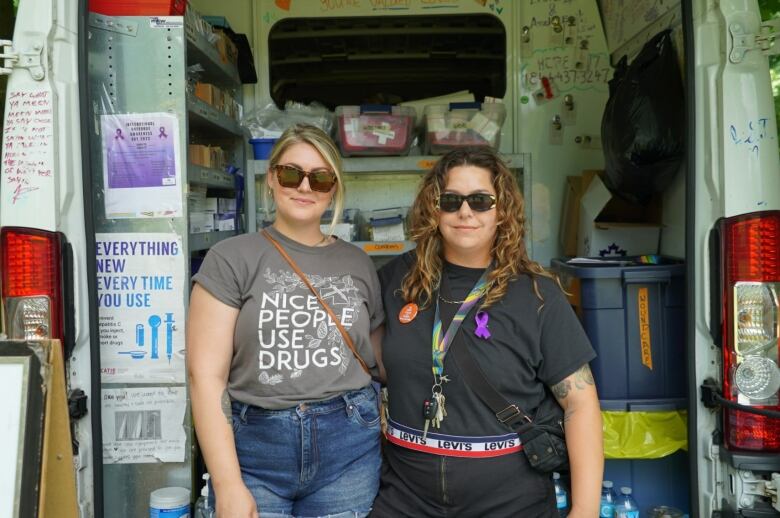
(141, 165)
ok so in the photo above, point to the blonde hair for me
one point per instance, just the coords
(508, 252)
(319, 140)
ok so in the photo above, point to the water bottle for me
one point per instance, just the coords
(626, 507)
(202, 509)
(561, 498)
(607, 508)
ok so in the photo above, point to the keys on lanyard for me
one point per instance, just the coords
(433, 411)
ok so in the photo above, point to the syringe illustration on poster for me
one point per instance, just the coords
(141, 306)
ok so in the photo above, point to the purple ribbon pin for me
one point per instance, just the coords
(482, 325)
(118, 134)
(162, 133)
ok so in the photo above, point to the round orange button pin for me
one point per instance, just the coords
(408, 313)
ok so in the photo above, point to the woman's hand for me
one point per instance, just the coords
(235, 501)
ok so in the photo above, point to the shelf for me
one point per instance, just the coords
(208, 239)
(206, 118)
(382, 248)
(210, 177)
(390, 164)
(200, 51)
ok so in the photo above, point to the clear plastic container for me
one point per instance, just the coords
(454, 125)
(375, 129)
(386, 224)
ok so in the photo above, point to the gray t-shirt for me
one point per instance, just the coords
(286, 349)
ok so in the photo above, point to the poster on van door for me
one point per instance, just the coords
(143, 425)
(141, 165)
(141, 289)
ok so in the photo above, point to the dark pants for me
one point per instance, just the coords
(421, 484)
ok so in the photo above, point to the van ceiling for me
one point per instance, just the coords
(385, 59)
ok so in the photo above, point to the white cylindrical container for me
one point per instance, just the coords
(169, 502)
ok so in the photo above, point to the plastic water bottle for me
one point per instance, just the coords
(202, 509)
(561, 498)
(626, 507)
(607, 507)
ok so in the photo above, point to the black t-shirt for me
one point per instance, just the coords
(529, 348)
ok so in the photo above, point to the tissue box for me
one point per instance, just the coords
(201, 222)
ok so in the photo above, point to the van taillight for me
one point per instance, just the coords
(751, 328)
(32, 283)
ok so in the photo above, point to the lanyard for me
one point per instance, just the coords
(440, 344)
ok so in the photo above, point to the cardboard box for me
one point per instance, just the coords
(610, 226)
(201, 222)
(226, 205)
(570, 215)
(225, 221)
(228, 52)
(205, 92)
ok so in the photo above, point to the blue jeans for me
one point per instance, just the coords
(317, 459)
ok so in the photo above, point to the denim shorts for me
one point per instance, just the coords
(314, 460)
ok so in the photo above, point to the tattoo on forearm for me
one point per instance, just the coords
(581, 378)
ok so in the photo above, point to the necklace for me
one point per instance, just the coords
(325, 239)
(450, 301)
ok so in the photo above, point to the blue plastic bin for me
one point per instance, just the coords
(635, 319)
(262, 147)
(653, 482)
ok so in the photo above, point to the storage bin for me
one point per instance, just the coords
(375, 129)
(448, 127)
(653, 482)
(387, 224)
(634, 316)
(262, 147)
(138, 7)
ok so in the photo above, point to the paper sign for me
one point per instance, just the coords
(143, 425)
(141, 291)
(141, 165)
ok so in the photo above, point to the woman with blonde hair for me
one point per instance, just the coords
(471, 284)
(282, 320)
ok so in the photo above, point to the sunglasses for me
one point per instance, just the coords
(321, 180)
(478, 201)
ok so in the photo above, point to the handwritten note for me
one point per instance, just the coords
(750, 134)
(623, 19)
(27, 144)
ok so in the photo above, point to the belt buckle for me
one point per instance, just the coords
(509, 413)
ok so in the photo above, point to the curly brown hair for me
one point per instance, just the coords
(509, 254)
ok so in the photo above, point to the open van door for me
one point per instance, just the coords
(733, 250)
(46, 239)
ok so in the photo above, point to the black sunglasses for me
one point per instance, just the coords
(478, 201)
(321, 180)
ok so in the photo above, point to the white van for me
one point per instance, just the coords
(74, 243)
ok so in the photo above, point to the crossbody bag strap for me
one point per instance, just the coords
(344, 334)
(506, 412)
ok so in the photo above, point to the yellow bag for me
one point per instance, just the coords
(644, 435)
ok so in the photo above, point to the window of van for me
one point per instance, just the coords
(386, 59)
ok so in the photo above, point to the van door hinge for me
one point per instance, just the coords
(765, 40)
(31, 60)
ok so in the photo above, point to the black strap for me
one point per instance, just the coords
(506, 412)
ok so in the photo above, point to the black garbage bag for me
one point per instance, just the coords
(643, 128)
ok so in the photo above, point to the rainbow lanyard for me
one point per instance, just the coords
(441, 345)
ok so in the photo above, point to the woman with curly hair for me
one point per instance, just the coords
(448, 454)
